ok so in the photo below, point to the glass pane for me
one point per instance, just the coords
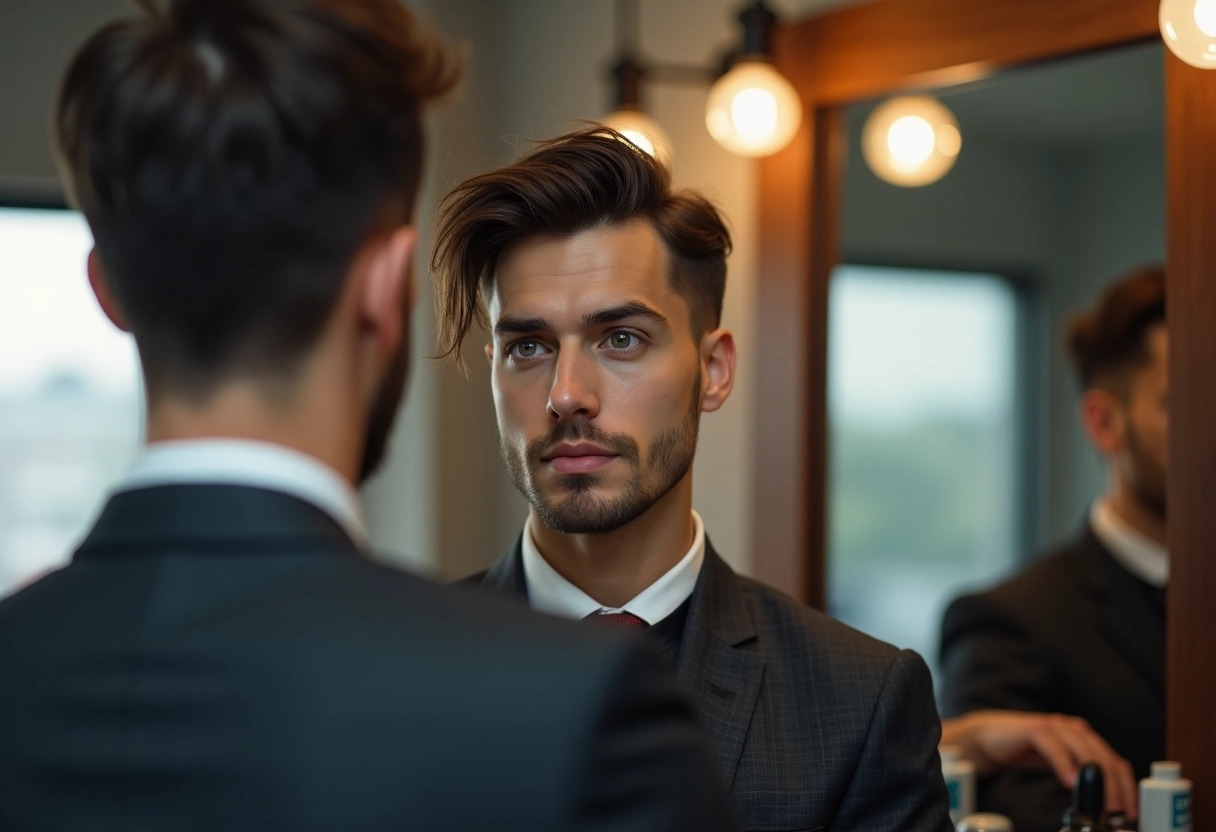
(923, 445)
(69, 393)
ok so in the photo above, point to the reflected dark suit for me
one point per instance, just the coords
(1076, 633)
(223, 658)
(813, 724)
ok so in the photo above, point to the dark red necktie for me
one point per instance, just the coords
(618, 620)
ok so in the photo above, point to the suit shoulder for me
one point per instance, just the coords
(402, 600)
(475, 580)
(1049, 582)
(801, 632)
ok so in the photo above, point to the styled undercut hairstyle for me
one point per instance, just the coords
(590, 178)
(1111, 341)
(231, 156)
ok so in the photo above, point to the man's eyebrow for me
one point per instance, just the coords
(510, 325)
(632, 309)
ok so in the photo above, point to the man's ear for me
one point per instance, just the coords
(718, 360)
(388, 291)
(101, 291)
(1102, 417)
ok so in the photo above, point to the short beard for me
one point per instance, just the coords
(1148, 481)
(669, 460)
(383, 414)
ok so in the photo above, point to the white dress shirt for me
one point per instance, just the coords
(549, 592)
(1147, 559)
(253, 464)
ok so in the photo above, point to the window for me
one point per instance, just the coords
(925, 431)
(69, 393)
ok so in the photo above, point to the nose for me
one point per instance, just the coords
(573, 394)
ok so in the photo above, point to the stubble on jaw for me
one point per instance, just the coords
(669, 459)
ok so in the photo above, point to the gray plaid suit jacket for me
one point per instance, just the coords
(813, 724)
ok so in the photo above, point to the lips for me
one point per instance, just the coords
(577, 457)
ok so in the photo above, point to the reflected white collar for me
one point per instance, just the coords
(1147, 559)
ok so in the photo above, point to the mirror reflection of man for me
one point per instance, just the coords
(221, 653)
(1082, 631)
(603, 289)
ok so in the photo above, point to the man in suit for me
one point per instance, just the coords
(221, 653)
(603, 289)
(1082, 631)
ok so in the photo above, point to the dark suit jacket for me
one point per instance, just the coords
(1075, 633)
(223, 658)
(813, 724)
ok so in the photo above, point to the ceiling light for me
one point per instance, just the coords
(911, 141)
(1188, 28)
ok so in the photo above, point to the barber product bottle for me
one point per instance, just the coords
(1165, 800)
(1088, 799)
(984, 823)
(959, 774)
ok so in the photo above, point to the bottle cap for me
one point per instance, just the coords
(1166, 770)
(950, 753)
(1089, 796)
(984, 823)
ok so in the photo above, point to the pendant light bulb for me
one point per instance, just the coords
(911, 141)
(642, 131)
(1188, 28)
(753, 110)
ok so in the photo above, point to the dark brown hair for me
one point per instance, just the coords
(585, 179)
(1111, 340)
(231, 156)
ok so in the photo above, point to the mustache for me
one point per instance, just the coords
(581, 430)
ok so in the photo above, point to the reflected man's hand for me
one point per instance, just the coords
(995, 739)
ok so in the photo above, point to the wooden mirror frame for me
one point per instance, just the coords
(880, 48)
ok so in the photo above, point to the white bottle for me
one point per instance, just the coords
(959, 774)
(984, 823)
(1165, 800)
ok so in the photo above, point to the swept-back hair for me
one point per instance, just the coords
(1111, 340)
(231, 156)
(589, 178)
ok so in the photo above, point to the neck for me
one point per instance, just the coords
(305, 420)
(614, 567)
(1134, 513)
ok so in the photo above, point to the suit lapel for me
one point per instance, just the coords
(715, 662)
(1131, 625)
(507, 573)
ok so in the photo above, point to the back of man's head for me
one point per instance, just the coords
(231, 156)
(588, 178)
(1110, 342)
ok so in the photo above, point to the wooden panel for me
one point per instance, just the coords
(875, 48)
(780, 494)
(831, 141)
(1191, 289)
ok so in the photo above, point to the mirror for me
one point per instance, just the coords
(954, 450)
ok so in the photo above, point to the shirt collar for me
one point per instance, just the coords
(252, 464)
(549, 592)
(1147, 559)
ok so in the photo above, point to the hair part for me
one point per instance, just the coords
(1111, 340)
(589, 178)
(231, 156)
